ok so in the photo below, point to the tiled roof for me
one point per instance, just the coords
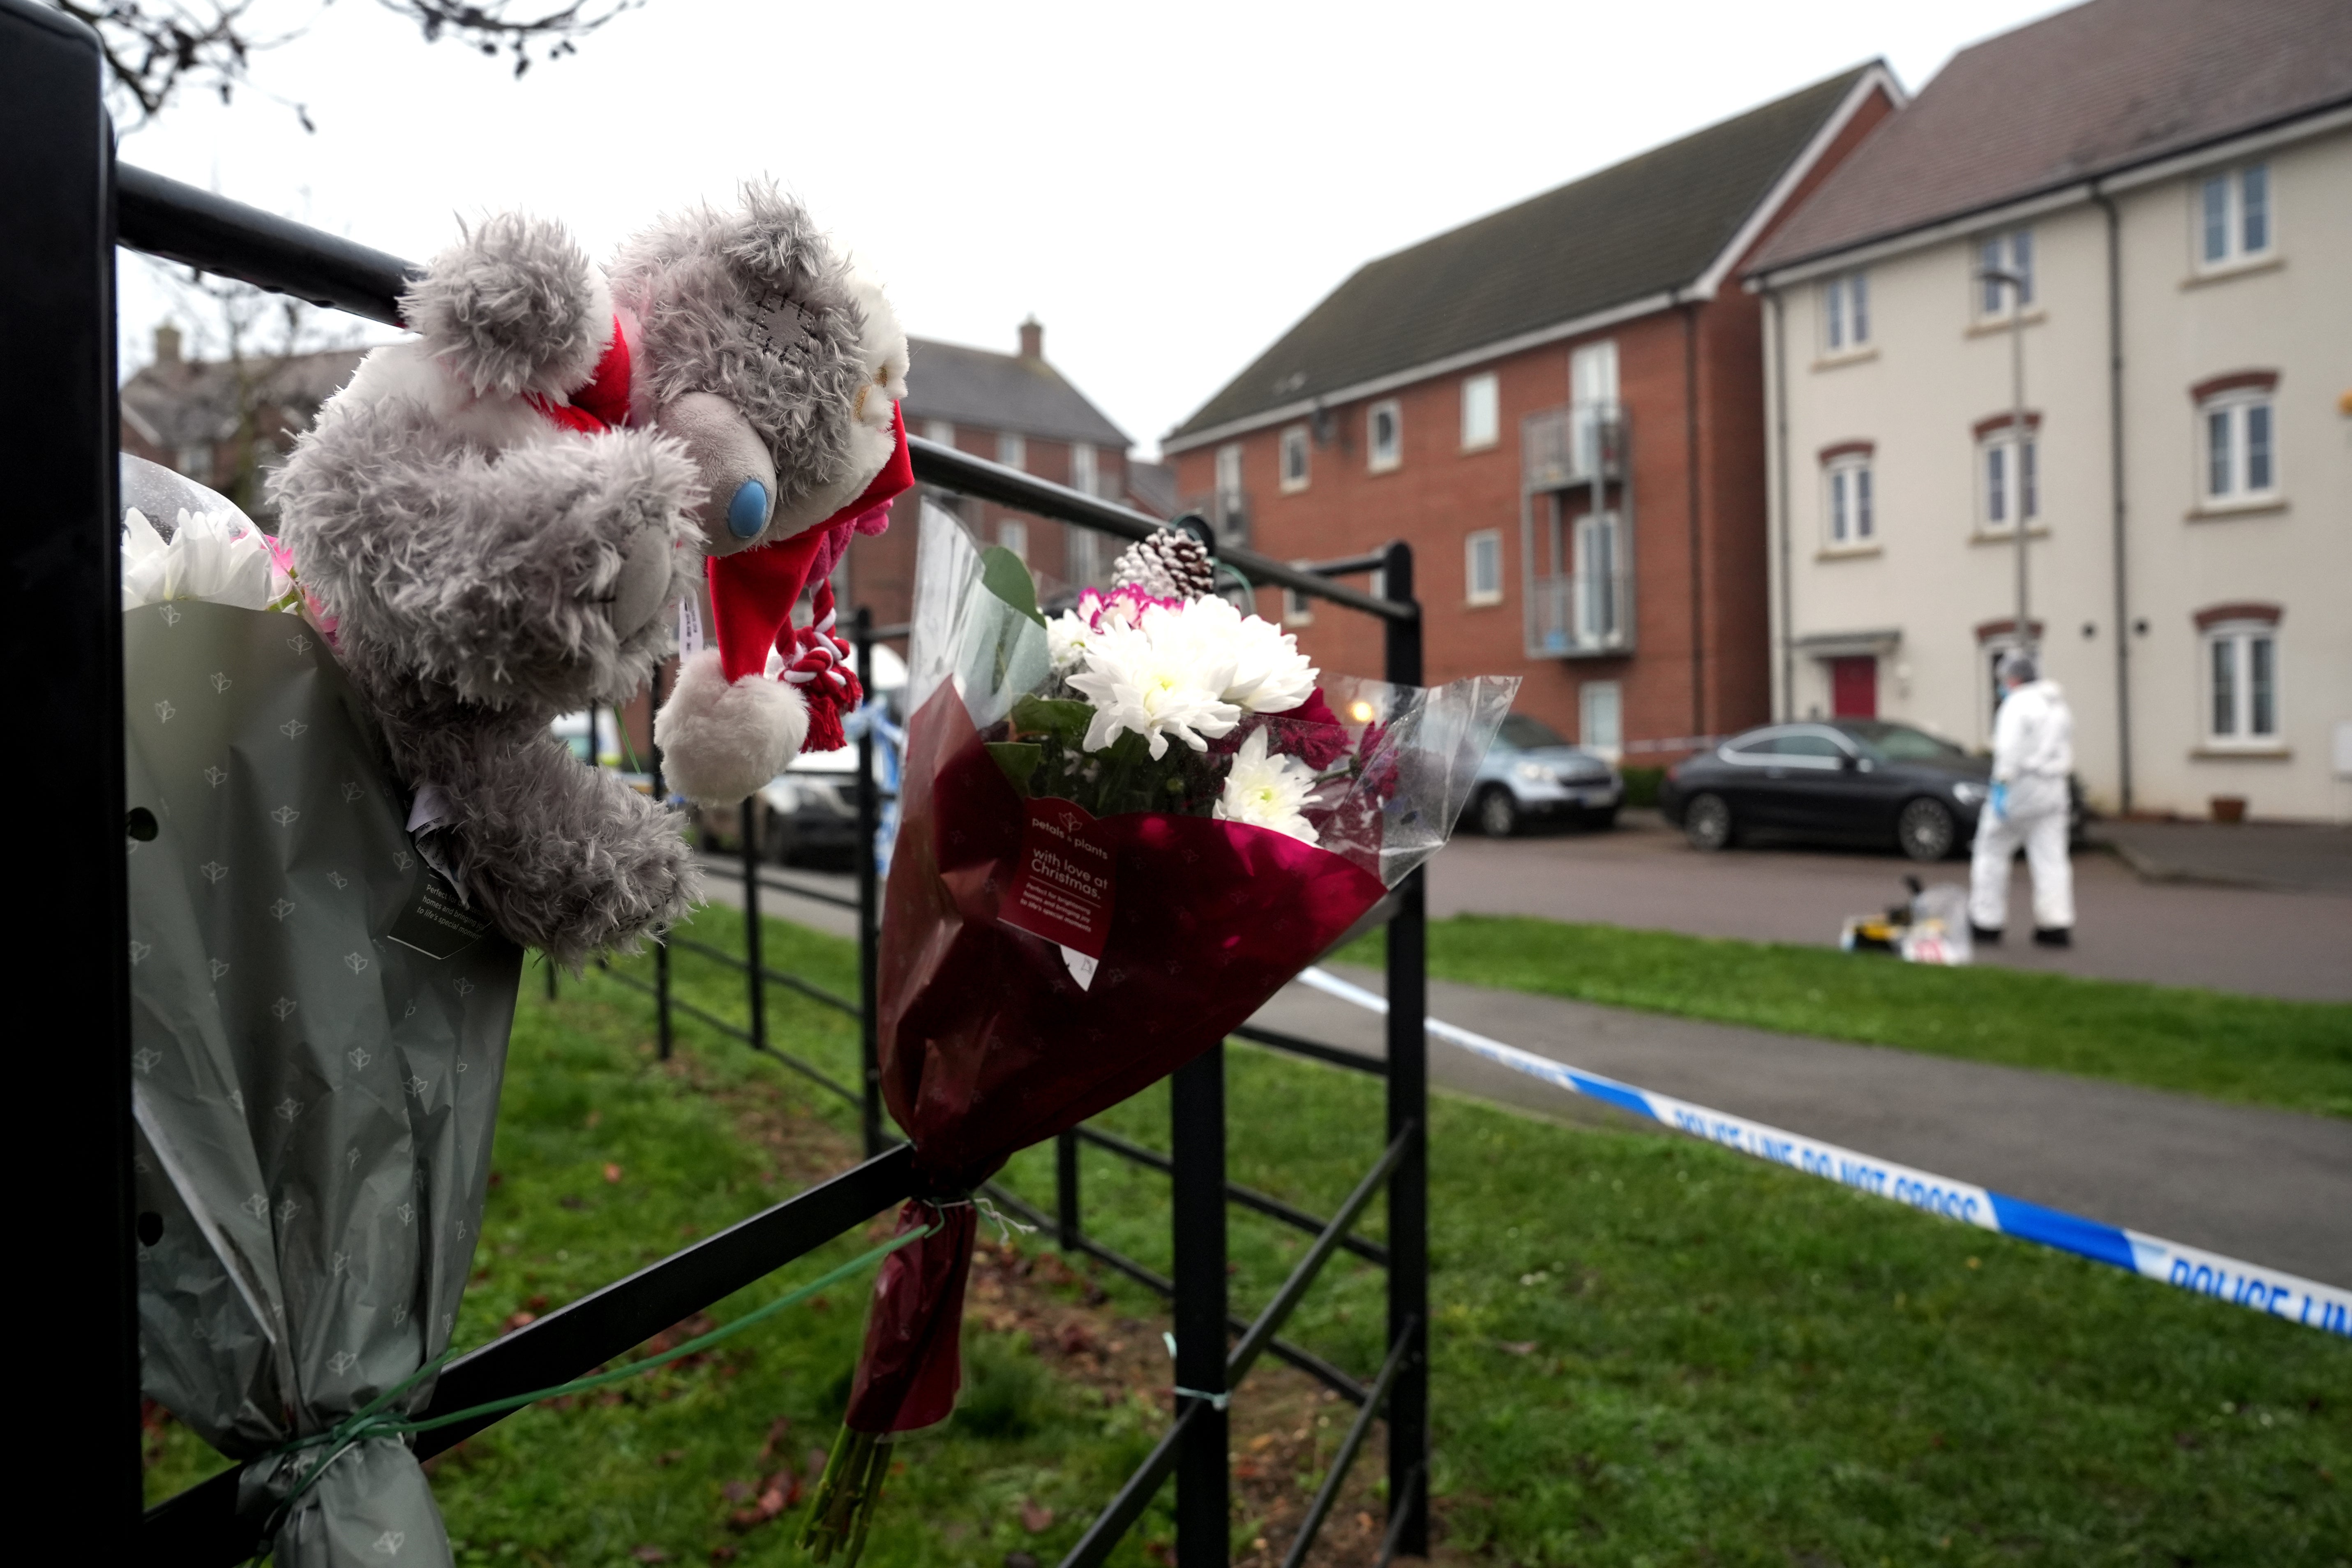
(1001, 391)
(1653, 223)
(2085, 92)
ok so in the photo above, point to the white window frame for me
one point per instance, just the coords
(1378, 458)
(1012, 450)
(1849, 502)
(1295, 443)
(940, 431)
(1593, 699)
(1013, 533)
(2235, 410)
(1845, 315)
(1085, 476)
(1482, 411)
(2011, 250)
(1081, 555)
(1297, 609)
(1488, 541)
(2003, 439)
(2240, 640)
(2221, 194)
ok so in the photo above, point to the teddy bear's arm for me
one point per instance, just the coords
(567, 859)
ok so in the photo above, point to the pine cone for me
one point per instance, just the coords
(1170, 564)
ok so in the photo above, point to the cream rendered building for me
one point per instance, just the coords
(2170, 181)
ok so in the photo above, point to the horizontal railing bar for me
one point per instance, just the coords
(1344, 1459)
(1111, 1525)
(201, 1527)
(1346, 565)
(1248, 1197)
(1314, 1050)
(892, 632)
(814, 1074)
(212, 234)
(951, 468)
(1400, 1513)
(1337, 1379)
(802, 890)
(1237, 1365)
(773, 976)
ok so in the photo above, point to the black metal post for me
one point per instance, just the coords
(752, 963)
(1068, 1227)
(1408, 1083)
(57, 272)
(869, 900)
(662, 1041)
(1203, 1507)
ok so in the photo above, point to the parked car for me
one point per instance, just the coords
(808, 812)
(1531, 775)
(1856, 780)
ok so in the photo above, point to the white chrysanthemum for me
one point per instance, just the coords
(1267, 791)
(215, 556)
(1270, 675)
(1066, 636)
(1156, 683)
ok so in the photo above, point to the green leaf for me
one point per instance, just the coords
(1018, 760)
(1063, 716)
(1002, 574)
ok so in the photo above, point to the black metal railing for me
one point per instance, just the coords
(67, 214)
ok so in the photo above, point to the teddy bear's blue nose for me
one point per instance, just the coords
(747, 514)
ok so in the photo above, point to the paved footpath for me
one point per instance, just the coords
(2270, 1188)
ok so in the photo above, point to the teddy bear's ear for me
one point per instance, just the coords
(514, 307)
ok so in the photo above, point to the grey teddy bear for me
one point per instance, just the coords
(496, 519)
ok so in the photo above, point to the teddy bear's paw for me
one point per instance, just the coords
(514, 306)
(720, 741)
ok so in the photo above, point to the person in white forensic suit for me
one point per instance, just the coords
(2033, 757)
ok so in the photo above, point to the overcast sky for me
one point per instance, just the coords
(1165, 187)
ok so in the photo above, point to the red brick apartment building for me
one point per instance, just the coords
(1018, 410)
(1561, 407)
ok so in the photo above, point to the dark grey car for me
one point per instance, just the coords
(1532, 775)
(1859, 780)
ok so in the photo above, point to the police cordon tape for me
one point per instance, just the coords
(2305, 1301)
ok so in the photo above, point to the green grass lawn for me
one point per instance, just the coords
(2294, 1054)
(1646, 1349)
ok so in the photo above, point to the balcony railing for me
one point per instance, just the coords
(1582, 612)
(1573, 445)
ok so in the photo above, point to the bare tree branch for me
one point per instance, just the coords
(155, 47)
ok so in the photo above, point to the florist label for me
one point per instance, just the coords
(1062, 882)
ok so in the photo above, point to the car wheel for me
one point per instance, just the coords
(1706, 821)
(1498, 814)
(1927, 830)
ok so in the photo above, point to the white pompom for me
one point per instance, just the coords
(720, 741)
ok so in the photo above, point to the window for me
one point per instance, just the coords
(1597, 606)
(1293, 460)
(1600, 714)
(1011, 451)
(1384, 434)
(1592, 399)
(938, 430)
(1083, 477)
(1297, 609)
(1229, 477)
(2012, 253)
(1082, 554)
(1482, 566)
(197, 462)
(1014, 535)
(2008, 484)
(1845, 314)
(1851, 517)
(2233, 216)
(2242, 684)
(1482, 411)
(2237, 429)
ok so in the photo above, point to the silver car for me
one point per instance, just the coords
(1532, 775)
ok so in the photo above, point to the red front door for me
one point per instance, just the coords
(1854, 688)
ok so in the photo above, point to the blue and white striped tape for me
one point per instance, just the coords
(2305, 1301)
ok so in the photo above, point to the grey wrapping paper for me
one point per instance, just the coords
(314, 1099)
